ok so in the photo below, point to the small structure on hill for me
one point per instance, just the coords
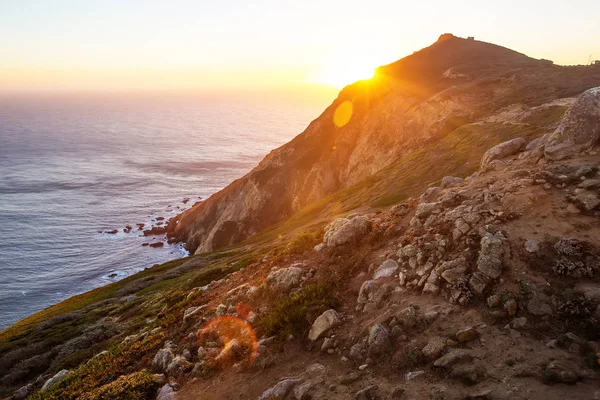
(471, 38)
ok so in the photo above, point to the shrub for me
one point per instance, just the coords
(293, 315)
(136, 386)
(304, 242)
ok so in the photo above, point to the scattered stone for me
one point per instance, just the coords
(346, 231)
(434, 348)
(166, 392)
(367, 393)
(478, 282)
(586, 201)
(500, 151)
(386, 269)
(511, 307)
(454, 356)
(329, 319)
(519, 323)
(449, 181)
(363, 367)
(413, 374)
(561, 371)
(22, 393)
(284, 279)
(379, 340)
(190, 313)
(163, 358)
(537, 306)
(491, 255)
(531, 246)
(494, 301)
(398, 394)
(62, 374)
(351, 378)
(467, 373)
(280, 390)
(178, 366)
(467, 334)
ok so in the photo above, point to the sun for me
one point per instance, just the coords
(345, 73)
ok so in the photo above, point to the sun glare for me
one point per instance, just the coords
(345, 74)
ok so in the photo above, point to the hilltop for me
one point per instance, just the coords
(442, 243)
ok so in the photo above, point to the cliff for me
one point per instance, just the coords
(459, 259)
(408, 105)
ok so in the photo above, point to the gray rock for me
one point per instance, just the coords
(358, 352)
(190, 313)
(449, 181)
(379, 340)
(284, 279)
(62, 374)
(467, 373)
(579, 129)
(178, 366)
(413, 374)
(163, 358)
(454, 356)
(532, 246)
(22, 393)
(561, 371)
(500, 151)
(586, 201)
(408, 251)
(166, 392)
(491, 255)
(537, 306)
(346, 231)
(434, 348)
(324, 322)
(386, 269)
(424, 210)
(367, 393)
(280, 390)
(221, 310)
(367, 289)
(378, 298)
(478, 282)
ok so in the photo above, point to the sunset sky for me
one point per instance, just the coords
(135, 44)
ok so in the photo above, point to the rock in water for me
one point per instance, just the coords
(324, 322)
(501, 150)
(579, 129)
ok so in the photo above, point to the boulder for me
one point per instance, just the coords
(579, 129)
(424, 210)
(190, 313)
(367, 289)
(346, 231)
(284, 279)
(163, 358)
(178, 366)
(386, 269)
(561, 371)
(449, 181)
(22, 393)
(324, 322)
(532, 246)
(62, 374)
(500, 151)
(467, 334)
(379, 340)
(166, 392)
(491, 255)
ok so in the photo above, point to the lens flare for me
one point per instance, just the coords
(343, 114)
(236, 340)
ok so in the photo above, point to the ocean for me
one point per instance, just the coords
(73, 168)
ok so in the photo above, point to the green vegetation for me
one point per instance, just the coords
(292, 315)
(105, 377)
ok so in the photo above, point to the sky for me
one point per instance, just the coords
(107, 45)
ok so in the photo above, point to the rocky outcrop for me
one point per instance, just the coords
(579, 130)
(500, 151)
(411, 103)
(346, 231)
(324, 322)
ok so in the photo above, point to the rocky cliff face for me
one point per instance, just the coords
(410, 103)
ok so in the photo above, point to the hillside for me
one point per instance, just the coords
(447, 248)
(409, 105)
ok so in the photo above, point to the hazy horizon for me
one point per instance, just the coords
(135, 46)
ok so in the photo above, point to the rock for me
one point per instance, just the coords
(379, 340)
(280, 390)
(329, 319)
(378, 297)
(532, 246)
(537, 306)
(413, 374)
(62, 374)
(407, 316)
(478, 282)
(22, 393)
(163, 358)
(398, 393)
(386, 269)
(424, 210)
(407, 251)
(328, 344)
(178, 366)
(519, 323)
(494, 301)
(156, 244)
(586, 201)
(190, 313)
(358, 352)
(284, 279)
(434, 348)
(166, 392)
(351, 378)
(589, 290)
(454, 274)
(561, 371)
(454, 356)
(491, 255)
(424, 269)
(449, 181)
(367, 393)
(579, 129)
(367, 289)
(344, 231)
(467, 334)
(467, 373)
(511, 307)
(500, 151)
(451, 199)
